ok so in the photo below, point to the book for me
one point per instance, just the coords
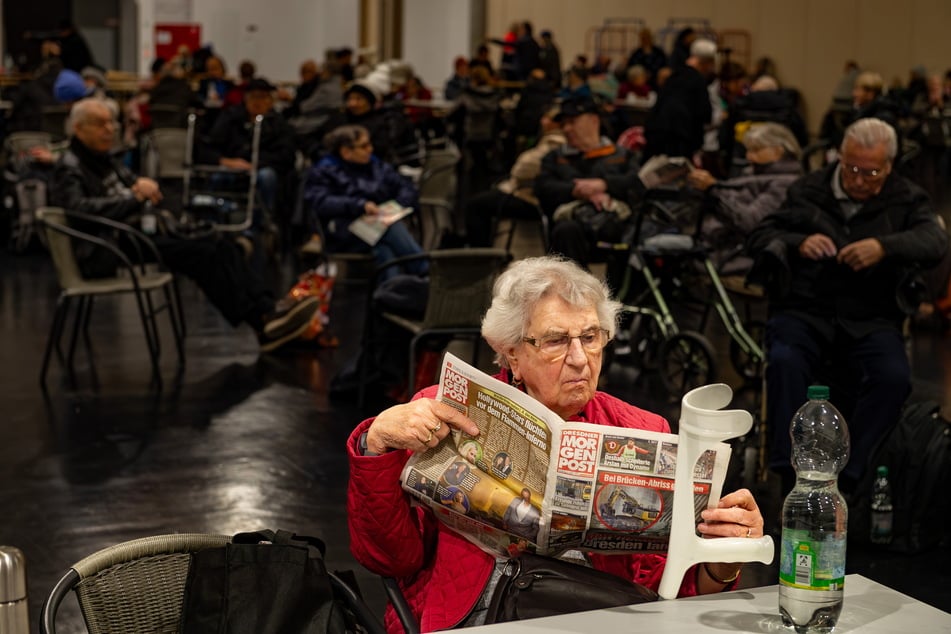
(371, 228)
(591, 487)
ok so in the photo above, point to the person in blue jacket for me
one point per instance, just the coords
(351, 182)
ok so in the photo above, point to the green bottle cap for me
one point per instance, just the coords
(882, 471)
(817, 393)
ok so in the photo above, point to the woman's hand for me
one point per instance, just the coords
(370, 208)
(417, 426)
(736, 515)
(701, 179)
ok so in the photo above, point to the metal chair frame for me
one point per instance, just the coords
(138, 279)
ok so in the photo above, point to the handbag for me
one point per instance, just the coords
(599, 225)
(532, 586)
(262, 583)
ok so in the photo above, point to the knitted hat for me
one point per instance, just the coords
(361, 87)
(93, 73)
(69, 87)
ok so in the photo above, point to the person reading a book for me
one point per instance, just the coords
(548, 324)
(351, 183)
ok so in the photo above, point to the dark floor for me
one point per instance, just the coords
(240, 441)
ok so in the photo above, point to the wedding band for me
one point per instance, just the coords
(749, 531)
(437, 427)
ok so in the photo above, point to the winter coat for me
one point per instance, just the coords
(231, 137)
(826, 293)
(338, 190)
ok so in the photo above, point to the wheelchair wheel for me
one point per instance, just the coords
(686, 362)
(645, 339)
(748, 367)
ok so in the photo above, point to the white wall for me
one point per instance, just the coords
(276, 34)
(434, 33)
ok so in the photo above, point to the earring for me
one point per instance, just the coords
(516, 382)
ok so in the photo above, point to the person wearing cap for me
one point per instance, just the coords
(89, 180)
(389, 129)
(587, 169)
(675, 125)
(70, 87)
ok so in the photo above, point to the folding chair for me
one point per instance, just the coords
(135, 277)
(437, 195)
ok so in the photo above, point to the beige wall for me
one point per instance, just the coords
(808, 39)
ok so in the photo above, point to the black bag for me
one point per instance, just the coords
(532, 586)
(599, 225)
(917, 453)
(263, 583)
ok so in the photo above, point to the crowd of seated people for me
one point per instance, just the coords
(825, 244)
(691, 108)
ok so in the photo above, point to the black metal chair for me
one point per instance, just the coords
(460, 291)
(139, 278)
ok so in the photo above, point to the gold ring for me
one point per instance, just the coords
(749, 531)
(437, 427)
(429, 437)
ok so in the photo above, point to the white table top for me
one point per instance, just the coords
(869, 608)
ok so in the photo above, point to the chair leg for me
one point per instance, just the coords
(56, 331)
(153, 323)
(86, 338)
(153, 353)
(174, 311)
(77, 326)
(180, 312)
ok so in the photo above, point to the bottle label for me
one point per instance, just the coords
(881, 524)
(812, 564)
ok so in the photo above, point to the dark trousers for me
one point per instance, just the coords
(797, 352)
(483, 211)
(222, 272)
(570, 239)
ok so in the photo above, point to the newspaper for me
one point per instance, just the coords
(531, 481)
(371, 228)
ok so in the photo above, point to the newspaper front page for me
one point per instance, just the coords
(531, 481)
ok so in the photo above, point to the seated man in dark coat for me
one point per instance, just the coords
(89, 180)
(835, 258)
(592, 172)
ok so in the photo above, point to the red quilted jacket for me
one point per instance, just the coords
(441, 574)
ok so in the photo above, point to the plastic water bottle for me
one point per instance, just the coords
(882, 510)
(815, 516)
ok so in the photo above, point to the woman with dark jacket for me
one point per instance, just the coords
(351, 182)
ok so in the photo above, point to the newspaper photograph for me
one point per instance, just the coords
(531, 481)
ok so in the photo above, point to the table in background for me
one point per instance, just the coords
(870, 608)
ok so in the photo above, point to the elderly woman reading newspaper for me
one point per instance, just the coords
(548, 324)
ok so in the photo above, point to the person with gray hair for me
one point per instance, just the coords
(88, 179)
(772, 154)
(548, 324)
(837, 260)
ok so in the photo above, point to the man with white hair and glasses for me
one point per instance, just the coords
(837, 259)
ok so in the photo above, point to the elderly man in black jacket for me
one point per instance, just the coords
(88, 179)
(836, 258)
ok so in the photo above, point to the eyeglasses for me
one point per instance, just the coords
(866, 174)
(555, 346)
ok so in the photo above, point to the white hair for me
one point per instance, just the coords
(871, 132)
(769, 134)
(526, 282)
(80, 112)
